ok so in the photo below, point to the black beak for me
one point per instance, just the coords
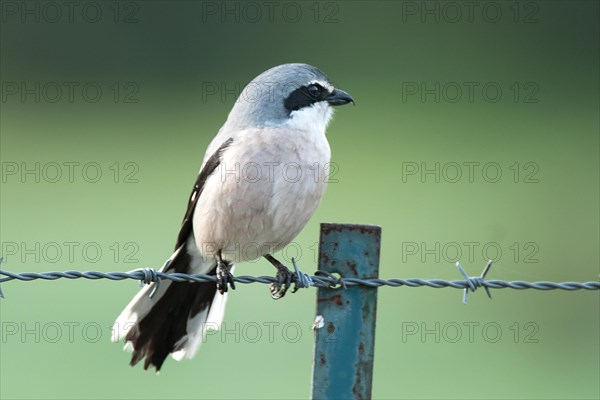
(338, 98)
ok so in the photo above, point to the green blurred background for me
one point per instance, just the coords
(157, 65)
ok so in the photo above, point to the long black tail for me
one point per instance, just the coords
(173, 320)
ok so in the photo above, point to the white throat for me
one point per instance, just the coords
(311, 118)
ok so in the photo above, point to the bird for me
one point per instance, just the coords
(262, 178)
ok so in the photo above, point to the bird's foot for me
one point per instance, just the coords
(224, 276)
(283, 279)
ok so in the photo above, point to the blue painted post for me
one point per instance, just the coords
(345, 322)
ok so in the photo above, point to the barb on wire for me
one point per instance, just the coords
(302, 280)
(150, 275)
(320, 279)
(475, 281)
(1, 294)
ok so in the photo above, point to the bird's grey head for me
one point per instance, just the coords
(296, 95)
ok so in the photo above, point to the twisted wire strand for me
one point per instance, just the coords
(317, 280)
(301, 280)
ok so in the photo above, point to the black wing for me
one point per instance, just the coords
(212, 164)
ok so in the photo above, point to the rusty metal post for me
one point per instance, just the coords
(345, 322)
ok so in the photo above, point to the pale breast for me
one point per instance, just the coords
(267, 187)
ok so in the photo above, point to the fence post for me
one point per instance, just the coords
(345, 338)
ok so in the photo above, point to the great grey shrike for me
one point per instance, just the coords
(262, 178)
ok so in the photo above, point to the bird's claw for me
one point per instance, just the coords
(283, 281)
(224, 277)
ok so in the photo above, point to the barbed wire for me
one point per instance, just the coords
(301, 280)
